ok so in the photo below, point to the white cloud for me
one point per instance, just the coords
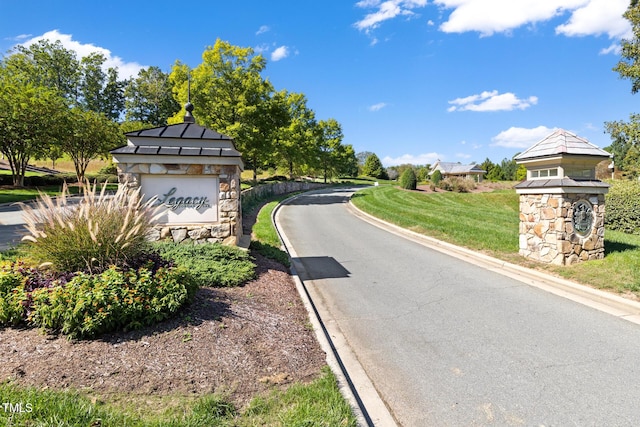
(420, 159)
(125, 69)
(463, 156)
(598, 17)
(515, 137)
(587, 17)
(385, 10)
(377, 107)
(19, 37)
(280, 53)
(615, 48)
(492, 101)
(263, 29)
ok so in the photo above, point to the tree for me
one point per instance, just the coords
(30, 118)
(89, 135)
(92, 80)
(408, 180)
(373, 167)
(328, 147)
(149, 97)
(487, 165)
(496, 173)
(113, 101)
(629, 67)
(362, 157)
(48, 64)
(509, 168)
(294, 146)
(436, 177)
(625, 135)
(228, 90)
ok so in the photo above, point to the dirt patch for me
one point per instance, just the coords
(239, 341)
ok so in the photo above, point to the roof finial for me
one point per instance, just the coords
(188, 117)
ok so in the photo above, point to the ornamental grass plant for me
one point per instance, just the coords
(92, 234)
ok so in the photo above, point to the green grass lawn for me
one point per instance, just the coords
(10, 195)
(317, 404)
(27, 173)
(488, 222)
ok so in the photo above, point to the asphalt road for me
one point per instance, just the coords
(11, 226)
(449, 343)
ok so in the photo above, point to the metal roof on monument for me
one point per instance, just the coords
(562, 142)
(180, 131)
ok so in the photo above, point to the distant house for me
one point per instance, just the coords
(448, 169)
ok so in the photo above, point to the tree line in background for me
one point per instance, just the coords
(54, 104)
(370, 165)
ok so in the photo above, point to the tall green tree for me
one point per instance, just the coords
(230, 96)
(330, 152)
(92, 81)
(373, 167)
(48, 64)
(112, 99)
(88, 136)
(30, 120)
(295, 142)
(149, 97)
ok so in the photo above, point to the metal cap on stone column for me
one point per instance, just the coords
(562, 201)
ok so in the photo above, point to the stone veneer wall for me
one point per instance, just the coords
(546, 228)
(263, 191)
(228, 228)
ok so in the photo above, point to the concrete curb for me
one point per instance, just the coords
(353, 381)
(600, 300)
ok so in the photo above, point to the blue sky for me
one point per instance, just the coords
(410, 80)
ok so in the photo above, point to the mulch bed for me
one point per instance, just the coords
(239, 341)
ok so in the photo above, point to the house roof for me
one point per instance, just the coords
(562, 142)
(457, 168)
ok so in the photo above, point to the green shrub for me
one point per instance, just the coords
(109, 169)
(457, 185)
(212, 264)
(436, 177)
(408, 180)
(623, 207)
(90, 305)
(92, 235)
(11, 309)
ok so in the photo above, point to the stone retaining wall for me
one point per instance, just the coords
(546, 228)
(264, 191)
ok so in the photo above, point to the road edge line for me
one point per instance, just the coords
(353, 381)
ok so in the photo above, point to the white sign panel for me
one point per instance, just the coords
(188, 199)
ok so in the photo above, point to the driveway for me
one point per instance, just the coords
(448, 342)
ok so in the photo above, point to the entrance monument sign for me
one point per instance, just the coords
(191, 170)
(562, 204)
